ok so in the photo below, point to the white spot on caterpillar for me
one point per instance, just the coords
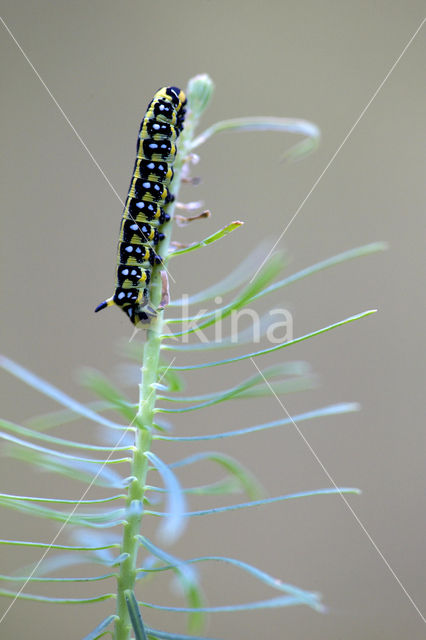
(151, 165)
(140, 205)
(146, 185)
(153, 145)
(134, 227)
(125, 272)
(120, 296)
(129, 249)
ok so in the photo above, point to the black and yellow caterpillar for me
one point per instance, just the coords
(145, 210)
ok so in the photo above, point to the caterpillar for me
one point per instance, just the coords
(145, 210)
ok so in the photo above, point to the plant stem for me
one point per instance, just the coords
(150, 375)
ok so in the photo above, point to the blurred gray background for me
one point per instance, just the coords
(321, 61)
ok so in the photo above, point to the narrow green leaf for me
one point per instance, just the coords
(209, 240)
(99, 475)
(30, 433)
(171, 378)
(51, 419)
(246, 479)
(269, 271)
(256, 503)
(174, 522)
(282, 601)
(241, 274)
(101, 519)
(335, 409)
(51, 600)
(59, 562)
(51, 563)
(274, 371)
(120, 559)
(248, 389)
(308, 597)
(61, 500)
(267, 123)
(357, 252)
(135, 615)
(64, 547)
(59, 454)
(252, 333)
(38, 579)
(187, 578)
(97, 383)
(98, 632)
(52, 392)
(226, 486)
(278, 346)
(188, 573)
(254, 261)
(234, 280)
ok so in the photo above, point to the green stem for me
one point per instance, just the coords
(147, 399)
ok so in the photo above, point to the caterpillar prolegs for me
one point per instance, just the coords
(145, 210)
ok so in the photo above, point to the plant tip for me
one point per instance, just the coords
(200, 90)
